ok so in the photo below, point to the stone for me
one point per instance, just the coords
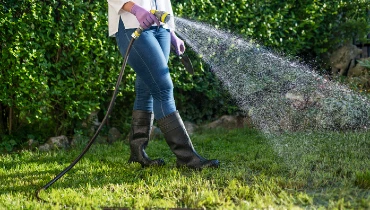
(301, 101)
(229, 122)
(359, 75)
(44, 148)
(58, 142)
(343, 59)
(113, 135)
(359, 70)
(190, 127)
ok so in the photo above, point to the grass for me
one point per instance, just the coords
(290, 171)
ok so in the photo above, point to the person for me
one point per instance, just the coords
(153, 86)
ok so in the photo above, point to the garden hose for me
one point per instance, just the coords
(163, 17)
(110, 107)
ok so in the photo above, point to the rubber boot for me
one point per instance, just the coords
(142, 122)
(179, 141)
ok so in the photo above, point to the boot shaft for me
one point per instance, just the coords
(175, 133)
(179, 141)
(141, 124)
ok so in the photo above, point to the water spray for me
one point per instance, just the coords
(163, 17)
(279, 94)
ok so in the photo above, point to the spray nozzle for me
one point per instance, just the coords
(162, 16)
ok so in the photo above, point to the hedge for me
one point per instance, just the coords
(55, 57)
(304, 27)
(58, 65)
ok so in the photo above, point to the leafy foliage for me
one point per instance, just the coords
(365, 63)
(58, 63)
(305, 28)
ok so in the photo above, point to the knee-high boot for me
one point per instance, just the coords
(179, 141)
(142, 122)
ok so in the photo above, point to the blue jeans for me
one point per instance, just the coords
(149, 57)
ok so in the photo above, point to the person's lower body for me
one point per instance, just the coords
(154, 93)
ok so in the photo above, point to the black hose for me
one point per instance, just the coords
(110, 107)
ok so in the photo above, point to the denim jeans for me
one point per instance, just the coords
(149, 57)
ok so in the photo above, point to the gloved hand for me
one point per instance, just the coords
(145, 18)
(177, 43)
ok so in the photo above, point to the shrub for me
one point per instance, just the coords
(306, 28)
(58, 65)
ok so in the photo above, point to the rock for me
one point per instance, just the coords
(359, 75)
(113, 135)
(58, 142)
(301, 101)
(229, 122)
(245, 121)
(190, 127)
(343, 59)
(44, 148)
(359, 70)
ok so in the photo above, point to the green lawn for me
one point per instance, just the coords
(290, 171)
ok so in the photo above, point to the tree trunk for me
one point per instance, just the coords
(4, 119)
(10, 126)
(2, 112)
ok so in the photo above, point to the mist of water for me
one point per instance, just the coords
(277, 93)
(281, 95)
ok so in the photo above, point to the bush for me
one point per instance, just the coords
(58, 65)
(306, 28)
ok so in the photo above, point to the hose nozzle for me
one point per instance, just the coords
(162, 16)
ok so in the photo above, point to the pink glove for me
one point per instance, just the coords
(177, 43)
(145, 18)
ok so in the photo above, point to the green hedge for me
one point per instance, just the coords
(304, 27)
(58, 63)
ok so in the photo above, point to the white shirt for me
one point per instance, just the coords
(115, 12)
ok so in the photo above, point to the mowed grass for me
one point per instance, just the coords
(291, 171)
